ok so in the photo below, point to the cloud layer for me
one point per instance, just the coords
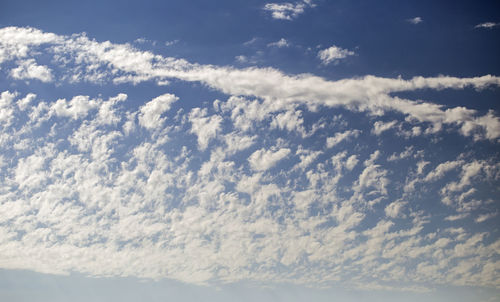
(289, 178)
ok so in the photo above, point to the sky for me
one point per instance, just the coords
(308, 150)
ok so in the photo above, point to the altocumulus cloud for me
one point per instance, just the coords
(235, 189)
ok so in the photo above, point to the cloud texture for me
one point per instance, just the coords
(261, 185)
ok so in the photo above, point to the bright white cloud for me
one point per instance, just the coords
(262, 160)
(205, 127)
(333, 54)
(150, 113)
(76, 108)
(28, 70)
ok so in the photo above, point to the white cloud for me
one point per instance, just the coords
(405, 154)
(241, 59)
(488, 25)
(351, 162)
(333, 54)
(262, 160)
(289, 120)
(307, 157)
(28, 69)
(24, 102)
(78, 107)
(204, 126)
(379, 127)
(395, 209)
(6, 108)
(441, 169)
(456, 217)
(341, 136)
(415, 20)
(280, 43)
(287, 10)
(150, 113)
(484, 217)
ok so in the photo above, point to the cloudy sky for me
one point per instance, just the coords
(229, 150)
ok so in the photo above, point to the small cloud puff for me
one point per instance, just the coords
(170, 43)
(415, 20)
(241, 59)
(286, 10)
(333, 54)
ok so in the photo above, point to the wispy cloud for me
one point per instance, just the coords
(487, 25)
(170, 43)
(280, 43)
(415, 20)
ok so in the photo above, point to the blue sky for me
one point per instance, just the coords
(271, 151)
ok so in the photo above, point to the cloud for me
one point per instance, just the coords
(170, 43)
(379, 127)
(484, 217)
(405, 154)
(150, 113)
(415, 20)
(333, 54)
(205, 127)
(281, 43)
(441, 169)
(341, 136)
(262, 160)
(28, 70)
(290, 120)
(287, 10)
(395, 209)
(351, 162)
(241, 59)
(456, 217)
(487, 25)
(77, 107)
(6, 108)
